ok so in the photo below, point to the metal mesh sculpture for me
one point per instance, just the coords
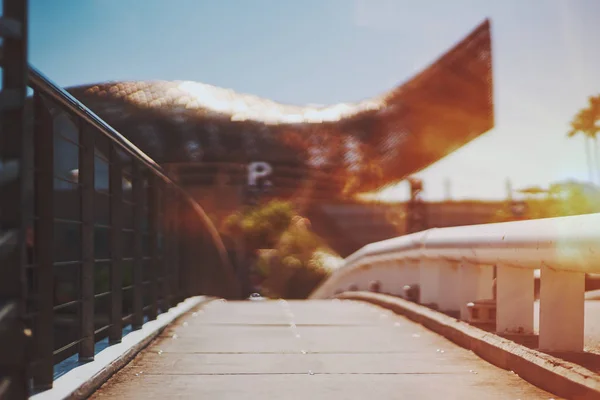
(343, 149)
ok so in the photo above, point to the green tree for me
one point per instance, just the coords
(286, 253)
(260, 227)
(294, 268)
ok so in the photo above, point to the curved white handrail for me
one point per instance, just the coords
(566, 243)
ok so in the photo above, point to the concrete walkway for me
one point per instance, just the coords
(308, 350)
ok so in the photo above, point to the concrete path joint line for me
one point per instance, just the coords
(250, 350)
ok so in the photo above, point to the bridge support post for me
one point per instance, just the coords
(475, 283)
(449, 297)
(561, 310)
(429, 282)
(514, 300)
(438, 281)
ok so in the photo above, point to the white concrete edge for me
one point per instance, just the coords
(94, 372)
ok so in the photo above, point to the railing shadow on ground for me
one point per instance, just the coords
(110, 241)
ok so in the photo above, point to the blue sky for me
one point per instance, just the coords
(546, 58)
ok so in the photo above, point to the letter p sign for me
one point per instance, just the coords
(258, 170)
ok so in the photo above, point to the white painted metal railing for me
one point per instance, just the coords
(455, 266)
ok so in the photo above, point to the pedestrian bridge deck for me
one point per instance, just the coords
(330, 349)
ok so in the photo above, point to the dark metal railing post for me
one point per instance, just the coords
(153, 224)
(13, 341)
(138, 248)
(115, 330)
(193, 260)
(174, 243)
(87, 188)
(44, 243)
(167, 245)
(200, 266)
(184, 252)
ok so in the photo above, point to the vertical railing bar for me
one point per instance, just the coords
(163, 228)
(191, 244)
(199, 268)
(184, 233)
(138, 223)
(87, 187)
(174, 266)
(43, 243)
(14, 353)
(199, 261)
(162, 254)
(210, 271)
(115, 330)
(174, 241)
(153, 209)
(176, 288)
(168, 255)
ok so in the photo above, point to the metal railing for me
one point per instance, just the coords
(455, 267)
(14, 335)
(108, 239)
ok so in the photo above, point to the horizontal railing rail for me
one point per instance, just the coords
(109, 239)
(569, 243)
(454, 268)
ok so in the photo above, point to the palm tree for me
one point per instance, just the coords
(586, 123)
(595, 116)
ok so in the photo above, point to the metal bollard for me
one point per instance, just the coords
(412, 293)
(482, 314)
(375, 287)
